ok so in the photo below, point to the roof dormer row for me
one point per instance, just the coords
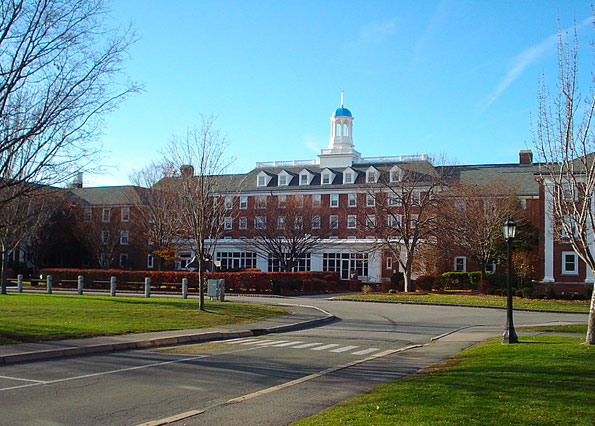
(327, 176)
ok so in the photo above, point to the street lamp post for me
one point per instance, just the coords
(509, 230)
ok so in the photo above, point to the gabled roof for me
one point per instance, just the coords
(110, 195)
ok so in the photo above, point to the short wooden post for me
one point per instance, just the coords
(49, 283)
(20, 283)
(79, 289)
(185, 288)
(112, 286)
(147, 287)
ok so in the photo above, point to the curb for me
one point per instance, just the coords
(161, 341)
(404, 302)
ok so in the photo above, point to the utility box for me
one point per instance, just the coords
(216, 290)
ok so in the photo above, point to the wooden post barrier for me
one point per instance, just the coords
(49, 284)
(19, 283)
(112, 286)
(185, 288)
(80, 284)
(147, 287)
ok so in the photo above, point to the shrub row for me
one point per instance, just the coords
(457, 281)
(250, 281)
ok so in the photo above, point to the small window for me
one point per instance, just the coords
(333, 221)
(281, 222)
(282, 180)
(243, 223)
(370, 200)
(260, 222)
(228, 203)
(460, 264)
(334, 200)
(243, 202)
(106, 215)
(389, 263)
(394, 220)
(105, 237)
(262, 180)
(347, 177)
(393, 200)
(352, 200)
(227, 223)
(326, 178)
(304, 179)
(88, 215)
(124, 238)
(282, 201)
(261, 202)
(150, 261)
(370, 221)
(299, 201)
(123, 260)
(298, 222)
(316, 200)
(316, 222)
(491, 267)
(395, 174)
(351, 221)
(569, 263)
(125, 214)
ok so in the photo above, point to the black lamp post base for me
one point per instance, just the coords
(510, 336)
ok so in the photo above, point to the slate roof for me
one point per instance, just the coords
(109, 195)
(521, 177)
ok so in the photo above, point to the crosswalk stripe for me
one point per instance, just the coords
(257, 341)
(344, 349)
(306, 345)
(321, 348)
(234, 341)
(365, 351)
(287, 344)
(272, 342)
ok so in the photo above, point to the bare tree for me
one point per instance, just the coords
(287, 231)
(21, 218)
(565, 143)
(470, 219)
(60, 71)
(404, 200)
(198, 212)
(154, 214)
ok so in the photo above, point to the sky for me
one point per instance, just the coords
(458, 78)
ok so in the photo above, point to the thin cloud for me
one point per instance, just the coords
(431, 30)
(523, 60)
(375, 32)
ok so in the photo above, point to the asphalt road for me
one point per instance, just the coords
(266, 380)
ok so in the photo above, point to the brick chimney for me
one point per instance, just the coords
(525, 156)
(187, 170)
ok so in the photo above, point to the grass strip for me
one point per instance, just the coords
(545, 380)
(31, 318)
(480, 300)
(571, 328)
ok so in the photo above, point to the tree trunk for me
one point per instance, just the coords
(409, 286)
(590, 340)
(4, 271)
(201, 293)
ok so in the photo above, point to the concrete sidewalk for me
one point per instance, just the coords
(301, 317)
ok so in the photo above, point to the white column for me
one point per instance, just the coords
(548, 232)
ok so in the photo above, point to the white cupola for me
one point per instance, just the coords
(341, 129)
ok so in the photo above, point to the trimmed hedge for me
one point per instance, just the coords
(457, 281)
(250, 281)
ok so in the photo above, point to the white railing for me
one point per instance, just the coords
(288, 163)
(395, 159)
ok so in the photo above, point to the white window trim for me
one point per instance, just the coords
(125, 217)
(351, 221)
(318, 199)
(464, 263)
(316, 223)
(352, 200)
(228, 223)
(124, 236)
(243, 223)
(563, 266)
(389, 263)
(331, 198)
(333, 221)
(228, 203)
(243, 202)
(150, 261)
(370, 200)
(109, 215)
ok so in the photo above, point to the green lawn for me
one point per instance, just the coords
(29, 318)
(544, 380)
(573, 328)
(480, 300)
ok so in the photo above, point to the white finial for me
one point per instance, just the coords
(341, 99)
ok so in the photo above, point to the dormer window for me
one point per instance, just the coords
(327, 177)
(306, 177)
(349, 175)
(284, 178)
(263, 179)
(372, 175)
(303, 179)
(396, 174)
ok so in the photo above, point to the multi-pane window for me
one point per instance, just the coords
(236, 260)
(395, 175)
(569, 263)
(281, 222)
(150, 261)
(370, 221)
(393, 200)
(105, 237)
(371, 176)
(88, 215)
(394, 220)
(299, 201)
(302, 264)
(123, 237)
(123, 260)
(414, 219)
(304, 179)
(352, 200)
(370, 200)
(262, 181)
(334, 200)
(569, 192)
(243, 223)
(351, 221)
(282, 201)
(316, 200)
(570, 223)
(316, 222)
(106, 215)
(228, 203)
(298, 222)
(326, 178)
(261, 201)
(125, 214)
(347, 177)
(345, 262)
(227, 223)
(282, 180)
(333, 221)
(460, 264)
(243, 202)
(260, 222)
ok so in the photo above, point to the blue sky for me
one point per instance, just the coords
(420, 77)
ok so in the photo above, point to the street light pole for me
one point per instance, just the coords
(509, 229)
